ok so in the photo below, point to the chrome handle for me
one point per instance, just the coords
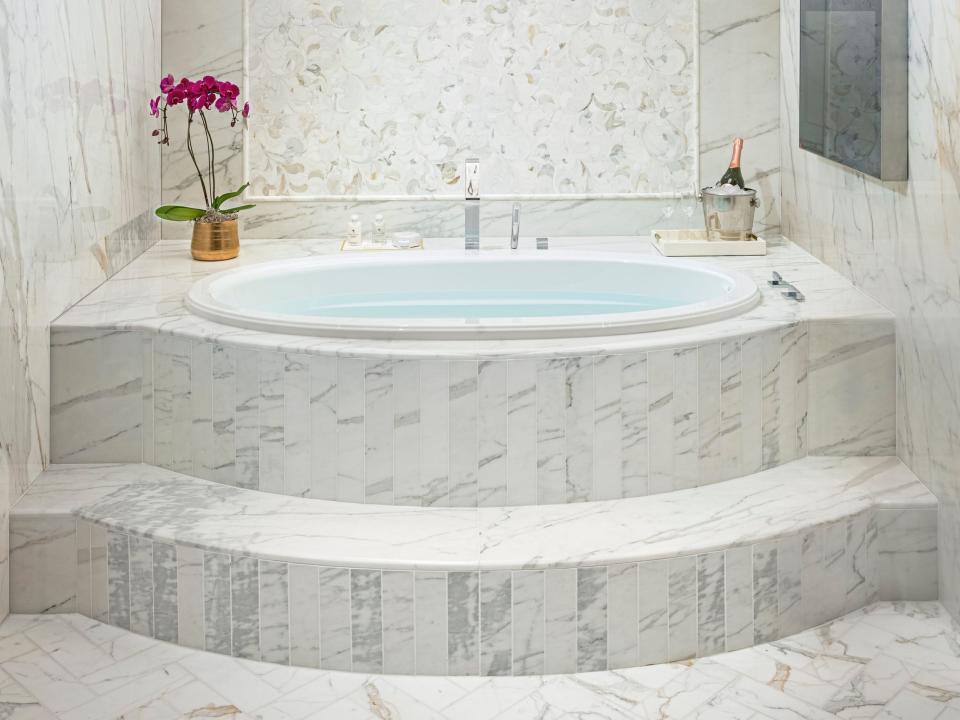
(515, 227)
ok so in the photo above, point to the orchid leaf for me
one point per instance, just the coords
(221, 199)
(227, 211)
(179, 213)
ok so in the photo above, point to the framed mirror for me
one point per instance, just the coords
(853, 84)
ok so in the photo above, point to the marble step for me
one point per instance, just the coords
(467, 591)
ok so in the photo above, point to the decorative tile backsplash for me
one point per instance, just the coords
(559, 98)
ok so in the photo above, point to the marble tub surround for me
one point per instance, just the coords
(139, 379)
(711, 36)
(265, 577)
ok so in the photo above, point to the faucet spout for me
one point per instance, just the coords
(515, 227)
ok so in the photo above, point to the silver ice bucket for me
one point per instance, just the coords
(729, 217)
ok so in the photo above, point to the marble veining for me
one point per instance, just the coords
(612, 418)
(890, 660)
(744, 36)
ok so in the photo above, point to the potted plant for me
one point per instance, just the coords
(214, 226)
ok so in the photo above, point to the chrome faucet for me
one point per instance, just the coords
(515, 227)
(471, 204)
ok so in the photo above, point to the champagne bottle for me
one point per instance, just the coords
(733, 176)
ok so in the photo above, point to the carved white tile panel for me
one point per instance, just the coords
(374, 98)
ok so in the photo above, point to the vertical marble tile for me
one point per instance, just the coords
(118, 577)
(141, 585)
(790, 595)
(147, 439)
(406, 433)
(751, 398)
(378, 432)
(685, 419)
(96, 408)
(224, 411)
(274, 612)
(217, 621)
(731, 399)
(430, 588)
(399, 622)
(653, 585)
(464, 448)
(711, 604)
(304, 616)
(591, 619)
(492, 429)
(201, 413)
(522, 432)
(579, 427)
(623, 622)
(350, 449)
(247, 414)
(860, 561)
(47, 543)
(528, 622)
(766, 621)
(297, 473)
(550, 431)
(634, 405)
(434, 431)
(738, 597)
(172, 403)
(682, 620)
(608, 428)
(165, 592)
(770, 412)
(794, 354)
(710, 358)
(463, 623)
(366, 621)
(852, 388)
(271, 421)
(192, 596)
(560, 621)
(789, 368)
(84, 569)
(660, 369)
(907, 552)
(99, 573)
(245, 607)
(323, 427)
(496, 628)
(834, 574)
(334, 596)
(812, 577)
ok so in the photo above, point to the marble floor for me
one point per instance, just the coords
(890, 661)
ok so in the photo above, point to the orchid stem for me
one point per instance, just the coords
(203, 185)
(211, 166)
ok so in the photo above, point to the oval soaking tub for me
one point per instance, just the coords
(438, 295)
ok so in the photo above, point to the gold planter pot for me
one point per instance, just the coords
(215, 241)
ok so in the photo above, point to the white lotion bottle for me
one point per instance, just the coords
(354, 230)
(379, 230)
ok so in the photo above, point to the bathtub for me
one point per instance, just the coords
(451, 295)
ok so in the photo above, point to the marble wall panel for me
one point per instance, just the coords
(80, 179)
(897, 241)
(492, 622)
(692, 44)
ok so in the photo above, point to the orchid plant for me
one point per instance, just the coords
(200, 97)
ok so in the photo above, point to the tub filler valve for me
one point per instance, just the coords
(471, 204)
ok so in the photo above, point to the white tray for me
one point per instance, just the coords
(696, 243)
(370, 247)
